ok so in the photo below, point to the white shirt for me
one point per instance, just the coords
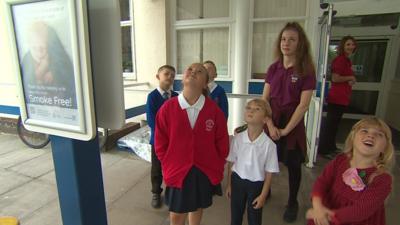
(191, 110)
(211, 86)
(162, 92)
(252, 159)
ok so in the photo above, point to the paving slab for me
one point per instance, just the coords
(10, 180)
(49, 214)
(26, 199)
(35, 167)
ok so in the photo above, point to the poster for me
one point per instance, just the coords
(47, 49)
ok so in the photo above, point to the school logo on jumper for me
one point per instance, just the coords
(209, 124)
(294, 78)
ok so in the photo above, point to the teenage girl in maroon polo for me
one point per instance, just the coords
(339, 94)
(289, 85)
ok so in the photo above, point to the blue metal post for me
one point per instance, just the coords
(79, 178)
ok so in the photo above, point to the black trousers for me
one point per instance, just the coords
(330, 128)
(243, 192)
(156, 173)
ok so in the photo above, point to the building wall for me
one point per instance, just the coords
(8, 90)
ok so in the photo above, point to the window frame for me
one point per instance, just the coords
(220, 22)
(130, 23)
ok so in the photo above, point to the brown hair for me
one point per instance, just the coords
(212, 63)
(340, 48)
(385, 160)
(262, 104)
(166, 67)
(304, 64)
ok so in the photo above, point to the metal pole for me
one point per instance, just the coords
(324, 73)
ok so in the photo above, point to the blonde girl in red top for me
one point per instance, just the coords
(191, 142)
(353, 187)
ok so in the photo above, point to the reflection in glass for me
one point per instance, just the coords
(126, 49)
(198, 45)
(363, 102)
(201, 9)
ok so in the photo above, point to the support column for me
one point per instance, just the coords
(240, 79)
(79, 178)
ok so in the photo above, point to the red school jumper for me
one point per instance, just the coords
(179, 147)
(351, 207)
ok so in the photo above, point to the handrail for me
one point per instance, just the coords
(136, 84)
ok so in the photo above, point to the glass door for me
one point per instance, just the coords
(314, 114)
(368, 63)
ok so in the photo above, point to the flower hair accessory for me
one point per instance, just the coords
(354, 179)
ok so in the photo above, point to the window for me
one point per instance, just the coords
(269, 18)
(198, 45)
(201, 9)
(127, 35)
(202, 32)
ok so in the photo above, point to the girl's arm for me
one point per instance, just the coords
(319, 213)
(372, 199)
(266, 92)
(260, 200)
(161, 138)
(229, 180)
(298, 114)
(273, 131)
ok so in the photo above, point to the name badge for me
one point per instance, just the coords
(294, 78)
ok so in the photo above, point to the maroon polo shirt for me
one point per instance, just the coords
(285, 92)
(340, 93)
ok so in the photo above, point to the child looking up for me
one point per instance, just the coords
(252, 160)
(353, 187)
(192, 143)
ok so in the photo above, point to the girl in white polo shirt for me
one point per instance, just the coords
(252, 160)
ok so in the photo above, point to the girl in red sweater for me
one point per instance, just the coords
(353, 187)
(191, 141)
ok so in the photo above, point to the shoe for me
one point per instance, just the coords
(156, 201)
(290, 214)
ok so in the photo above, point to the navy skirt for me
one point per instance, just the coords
(196, 193)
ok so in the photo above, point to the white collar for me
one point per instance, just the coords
(162, 91)
(259, 140)
(211, 86)
(184, 104)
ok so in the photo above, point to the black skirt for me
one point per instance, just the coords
(196, 193)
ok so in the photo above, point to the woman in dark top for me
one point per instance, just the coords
(289, 84)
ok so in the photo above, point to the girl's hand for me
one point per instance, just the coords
(228, 192)
(273, 132)
(258, 203)
(321, 216)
